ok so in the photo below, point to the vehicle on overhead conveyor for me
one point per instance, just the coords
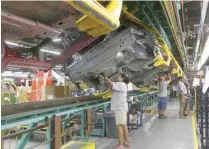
(110, 37)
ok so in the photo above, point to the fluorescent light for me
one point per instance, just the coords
(52, 52)
(58, 66)
(206, 83)
(15, 75)
(18, 73)
(57, 40)
(205, 54)
(16, 44)
(24, 46)
(12, 43)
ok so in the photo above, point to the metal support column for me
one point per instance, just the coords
(89, 121)
(48, 136)
(206, 110)
(82, 131)
(56, 132)
(25, 138)
(2, 143)
(104, 120)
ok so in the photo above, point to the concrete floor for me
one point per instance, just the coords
(170, 133)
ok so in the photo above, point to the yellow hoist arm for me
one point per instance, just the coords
(98, 20)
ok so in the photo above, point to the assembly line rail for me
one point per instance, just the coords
(36, 114)
(10, 119)
(45, 114)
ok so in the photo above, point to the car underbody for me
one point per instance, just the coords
(130, 49)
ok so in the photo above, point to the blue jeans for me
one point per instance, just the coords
(189, 101)
(162, 104)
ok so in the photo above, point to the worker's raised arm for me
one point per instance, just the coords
(169, 78)
(109, 82)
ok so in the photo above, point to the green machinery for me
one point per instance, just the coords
(37, 115)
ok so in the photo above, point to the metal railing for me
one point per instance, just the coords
(202, 109)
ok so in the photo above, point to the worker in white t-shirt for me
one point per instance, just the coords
(119, 105)
(163, 95)
(182, 92)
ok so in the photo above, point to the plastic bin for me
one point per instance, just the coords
(111, 129)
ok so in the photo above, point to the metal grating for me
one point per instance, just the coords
(203, 117)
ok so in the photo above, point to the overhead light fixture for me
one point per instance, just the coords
(12, 43)
(58, 66)
(12, 74)
(57, 40)
(16, 44)
(51, 52)
(205, 54)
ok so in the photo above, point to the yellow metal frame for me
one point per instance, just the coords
(168, 9)
(158, 61)
(98, 20)
(87, 145)
(105, 95)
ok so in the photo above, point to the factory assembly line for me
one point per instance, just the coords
(79, 42)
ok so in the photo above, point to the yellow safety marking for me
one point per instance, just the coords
(87, 145)
(195, 140)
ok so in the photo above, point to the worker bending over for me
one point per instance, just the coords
(119, 105)
(163, 95)
(182, 93)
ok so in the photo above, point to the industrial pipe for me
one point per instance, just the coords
(38, 127)
(200, 31)
(175, 26)
(23, 132)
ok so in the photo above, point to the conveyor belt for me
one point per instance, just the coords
(12, 109)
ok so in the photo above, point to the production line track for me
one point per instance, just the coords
(32, 112)
(13, 109)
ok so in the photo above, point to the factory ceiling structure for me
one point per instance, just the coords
(50, 34)
(83, 45)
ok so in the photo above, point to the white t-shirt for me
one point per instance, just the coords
(163, 92)
(174, 88)
(119, 97)
(181, 88)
